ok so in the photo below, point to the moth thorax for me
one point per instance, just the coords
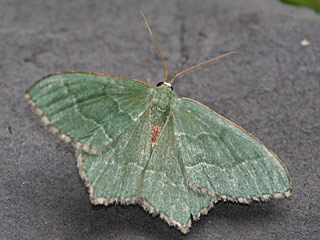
(161, 104)
(160, 109)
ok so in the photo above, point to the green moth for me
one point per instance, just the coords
(141, 145)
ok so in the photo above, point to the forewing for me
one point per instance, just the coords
(114, 174)
(165, 188)
(222, 158)
(89, 109)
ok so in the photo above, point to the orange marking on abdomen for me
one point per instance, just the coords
(155, 133)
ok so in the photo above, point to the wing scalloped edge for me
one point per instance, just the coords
(223, 197)
(140, 201)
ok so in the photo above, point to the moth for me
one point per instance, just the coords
(141, 145)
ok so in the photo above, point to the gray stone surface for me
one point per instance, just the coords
(271, 89)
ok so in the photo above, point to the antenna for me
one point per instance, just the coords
(155, 43)
(200, 64)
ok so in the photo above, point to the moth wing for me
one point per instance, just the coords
(164, 188)
(222, 158)
(113, 175)
(88, 109)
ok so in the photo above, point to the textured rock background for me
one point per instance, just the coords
(272, 89)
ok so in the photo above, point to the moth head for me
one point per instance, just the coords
(165, 84)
